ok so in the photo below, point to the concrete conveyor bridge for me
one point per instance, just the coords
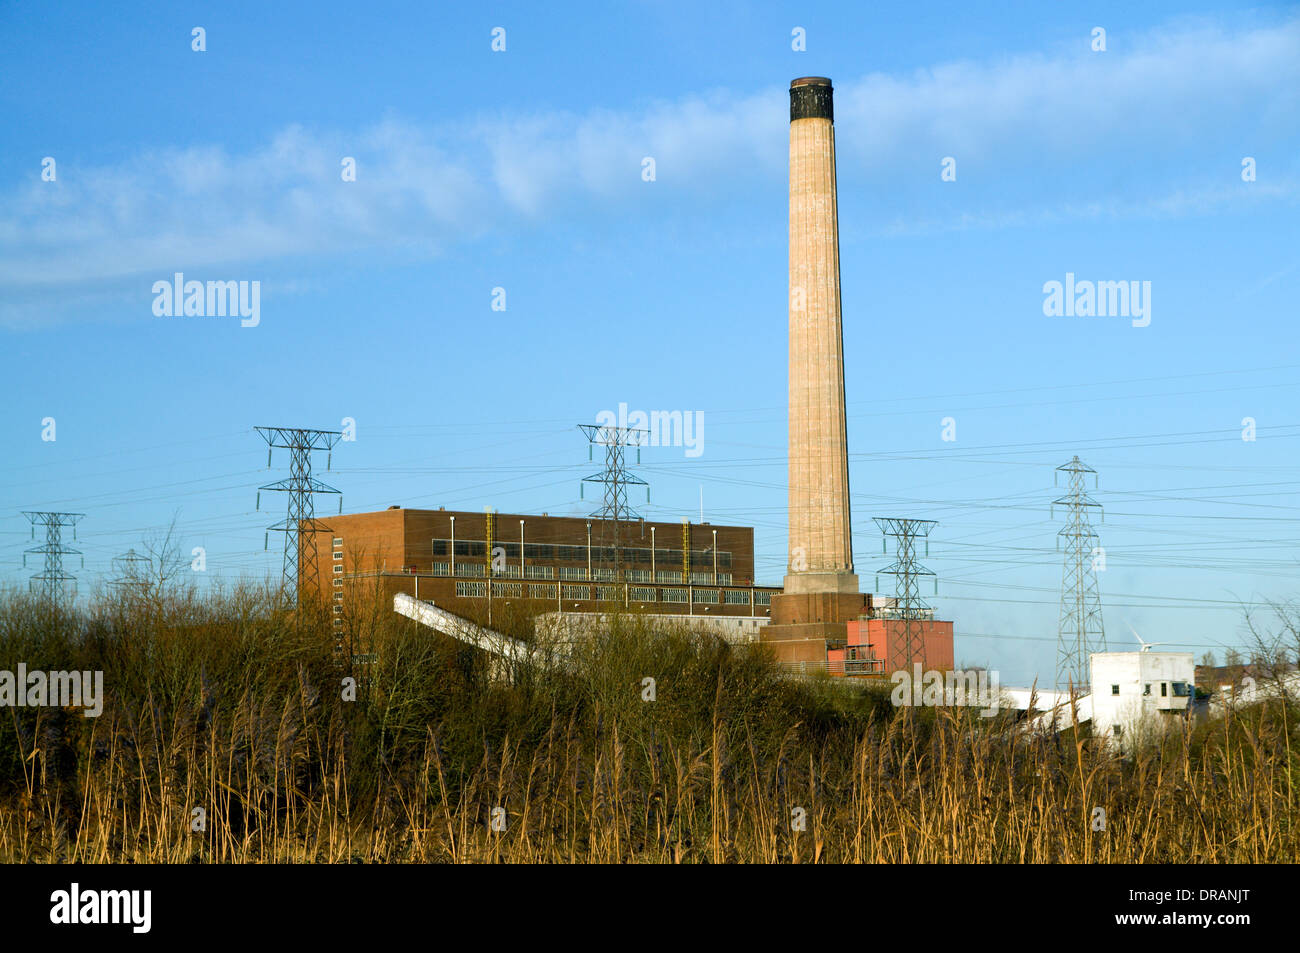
(461, 629)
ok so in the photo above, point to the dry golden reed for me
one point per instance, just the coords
(225, 705)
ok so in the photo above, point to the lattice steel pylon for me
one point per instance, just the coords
(1080, 632)
(909, 607)
(132, 571)
(49, 584)
(301, 565)
(616, 478)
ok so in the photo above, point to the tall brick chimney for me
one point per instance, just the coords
(821, 590)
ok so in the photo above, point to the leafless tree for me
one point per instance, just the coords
(1274, 638)
(166, 561)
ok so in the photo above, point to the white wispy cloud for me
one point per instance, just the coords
(423, 187)
(1149, 88)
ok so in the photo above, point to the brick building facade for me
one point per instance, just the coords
(466, 562)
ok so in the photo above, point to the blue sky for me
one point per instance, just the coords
(522, 170)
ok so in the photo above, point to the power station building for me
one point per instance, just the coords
(469, 563)
(478, 565)
(819, 619)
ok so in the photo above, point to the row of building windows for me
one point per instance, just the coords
(514, 590)
(555, 552)
(570, 573)
(337, 550)
(1181, 689)
(579, 574)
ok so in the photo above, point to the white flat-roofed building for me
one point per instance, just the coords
(1136, 695)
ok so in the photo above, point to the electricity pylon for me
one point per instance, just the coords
(909, 607)
(1080, 632)
(615, 478)
(49, 584)
(132, 572)
(301, 564)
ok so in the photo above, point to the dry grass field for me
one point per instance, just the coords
(224, 705)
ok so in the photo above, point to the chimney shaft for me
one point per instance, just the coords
(821, 553)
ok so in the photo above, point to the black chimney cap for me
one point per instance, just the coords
(811, 98)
